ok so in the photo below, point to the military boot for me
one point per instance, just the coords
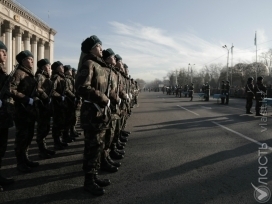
(114, 163)
(42, 152)
(119, 146)
(101, 182)
(123, 139)
(122, 152)
(121, 143)
(73, 132)
(66, 137)
(248, 111)
(115, 155)
(29, 162)
(91, 186)
(106, 166)
(1, 189)
(57, 144)
(21, 165)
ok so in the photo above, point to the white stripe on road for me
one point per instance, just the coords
(240, 134)
(187, 110)
(206, 107)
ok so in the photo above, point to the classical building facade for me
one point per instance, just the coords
(22, 30)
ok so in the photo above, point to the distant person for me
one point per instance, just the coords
(260, 93)
(191, 91)
(249, 94)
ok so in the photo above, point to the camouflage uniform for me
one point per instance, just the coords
(60, 108)
(23, 87)
(70, 98)
(6, 121)
(44, 89)
(91, 85)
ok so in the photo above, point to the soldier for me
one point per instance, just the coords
(227, 91)
(59, 105)
(207, 91)
(71, 105)
(223, 92)
(5, 115)
(44, 89)
(107, 164)
(186, 89)
(78, 103)
(23, 90)
(249, 94)
(191, 91)
(91, 84)
(260, 93)
(136, 93)
(180, 91)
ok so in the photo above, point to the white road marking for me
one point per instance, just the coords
(206, 107)
(188, 110)
(240, 134)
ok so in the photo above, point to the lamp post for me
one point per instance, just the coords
(225, 46)
(190, 66)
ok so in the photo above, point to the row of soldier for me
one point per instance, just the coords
(179, 90)
(101, 92)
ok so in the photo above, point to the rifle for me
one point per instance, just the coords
(8, 80)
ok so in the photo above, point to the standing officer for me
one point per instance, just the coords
(91, 84)
(5, 116)
(191, 91)
(71, 106)
(44, 89)
(223, 95)
(23, 90)
(260, 93)
(59, 105)
(207, 91)
(227, 92)
(249, 94)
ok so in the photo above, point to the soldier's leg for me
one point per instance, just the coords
(227, 99)
(258, 107)
(93, 146)
(3, 148)
(43, 128)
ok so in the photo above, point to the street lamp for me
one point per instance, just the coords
(191, 71)
(225, 46)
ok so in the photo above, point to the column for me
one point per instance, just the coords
(8, 43)
(51, 45)
(26, 38)
(1, 22)
(18, 39)
(34, 51)
(14, 61)
(47, 51)
(41, 49)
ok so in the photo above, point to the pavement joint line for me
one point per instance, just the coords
(188, 110)
(240, 134)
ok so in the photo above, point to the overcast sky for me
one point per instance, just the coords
(156, 36)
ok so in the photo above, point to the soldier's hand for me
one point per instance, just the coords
(30, 102)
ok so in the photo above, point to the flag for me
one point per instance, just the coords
(255, 39)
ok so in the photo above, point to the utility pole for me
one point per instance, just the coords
(255, 42)
(225, 46)
(231, 63)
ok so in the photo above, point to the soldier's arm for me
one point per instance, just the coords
(15, 94)
(40, 92)
(55, 94)
(84, 87)
(68, 92)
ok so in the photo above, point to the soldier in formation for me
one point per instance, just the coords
(191, 91)
(6, 105)
(222, 90)
(249, 94)
(260, 93)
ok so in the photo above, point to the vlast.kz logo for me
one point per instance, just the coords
(262, 194)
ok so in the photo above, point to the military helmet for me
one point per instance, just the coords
(227, 82)
(259, 78)
(250, 79)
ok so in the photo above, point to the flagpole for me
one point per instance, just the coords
(256, 53)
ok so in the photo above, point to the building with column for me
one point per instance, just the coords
(22, 30)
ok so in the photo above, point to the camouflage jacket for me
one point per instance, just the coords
(23, 85)
(3, 78)
(122, 86)
(70, 83)
(44, 86)
(59, 87)
(259, 90)
(91, 80)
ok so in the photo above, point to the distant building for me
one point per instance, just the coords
(22, 30)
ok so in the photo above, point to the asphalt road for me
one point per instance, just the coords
(178, 152)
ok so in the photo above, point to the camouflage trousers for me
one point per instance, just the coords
(43, 126)
(109, 135)
(24, 133)
(3, 143)
(59, 121)
(93, 147)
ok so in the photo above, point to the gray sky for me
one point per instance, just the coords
(156, 36)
